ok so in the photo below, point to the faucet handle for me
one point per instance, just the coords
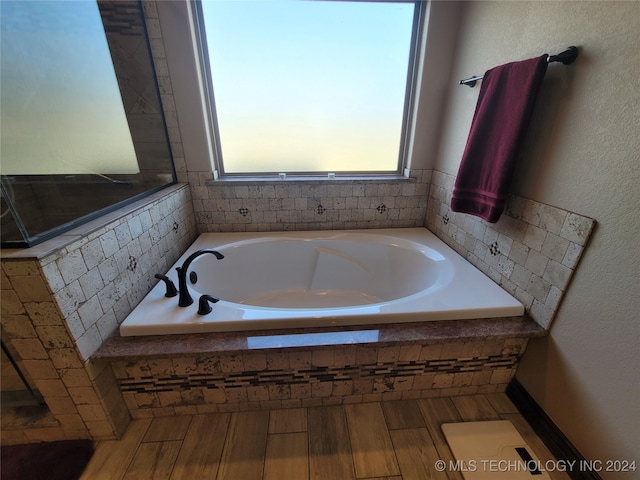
(172, 291)
(203, 304)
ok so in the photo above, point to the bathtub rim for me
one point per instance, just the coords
(228, 317)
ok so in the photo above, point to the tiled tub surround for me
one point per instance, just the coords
(202, 373)
(531, 251)
(279, 205)
(61, 299)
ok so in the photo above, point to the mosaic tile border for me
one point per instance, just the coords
(315, 376)
(532, 251)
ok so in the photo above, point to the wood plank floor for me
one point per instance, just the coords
(399, 440)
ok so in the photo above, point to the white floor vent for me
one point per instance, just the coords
(491, 450)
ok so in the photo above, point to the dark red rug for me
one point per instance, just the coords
(65, 460)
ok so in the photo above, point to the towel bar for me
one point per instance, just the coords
(567, 57)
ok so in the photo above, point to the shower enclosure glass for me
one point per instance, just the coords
(83, 130)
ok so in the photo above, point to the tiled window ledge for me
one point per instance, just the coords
(309, 203)
(309, 180)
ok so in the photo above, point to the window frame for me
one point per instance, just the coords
(412, 82)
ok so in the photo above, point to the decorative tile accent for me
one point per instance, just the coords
(320, 209)
(316, 376)
(133, 263)
(243, 211)
(531, 251)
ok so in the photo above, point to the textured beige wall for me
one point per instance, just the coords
(582, 154)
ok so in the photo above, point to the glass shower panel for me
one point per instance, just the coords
(83, 130)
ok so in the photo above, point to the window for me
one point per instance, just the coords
(309, 87)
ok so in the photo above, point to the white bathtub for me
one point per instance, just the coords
(298, 279)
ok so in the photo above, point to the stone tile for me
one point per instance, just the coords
(231, 363)
(89, 342)
(300, 359)
(557, 274)
(255, 362)
(31, 288)
(443, 381)
(72, 266)
(552, 219)
(534, 237)
(555, 247)
(541, 313)
(388, 354)
(277, 361)
(70, 298)
(538, 287)
(322, 358)
(536, 262)
(576, 228)
(11, 304)
(520, 276)
(90, 312)
(572, 255)
(30, 349)
(409, 353)
(92, 253)
(17, 326)
(61, 405)
(64, 358)
(52, 387)
(91, 283)
(84, 395)
(432, 352)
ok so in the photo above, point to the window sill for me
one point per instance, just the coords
(310, 180)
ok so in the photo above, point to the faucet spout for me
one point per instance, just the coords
(171, 288)
(185, 298)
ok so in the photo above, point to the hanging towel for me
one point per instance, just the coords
(504, 107)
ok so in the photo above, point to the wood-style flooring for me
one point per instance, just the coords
(399, 440)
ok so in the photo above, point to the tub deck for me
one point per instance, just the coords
(393, 334)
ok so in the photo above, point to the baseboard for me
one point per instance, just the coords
(557, 443)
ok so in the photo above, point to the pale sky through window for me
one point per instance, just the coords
(309, 85)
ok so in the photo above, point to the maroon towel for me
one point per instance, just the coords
(505, 103)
